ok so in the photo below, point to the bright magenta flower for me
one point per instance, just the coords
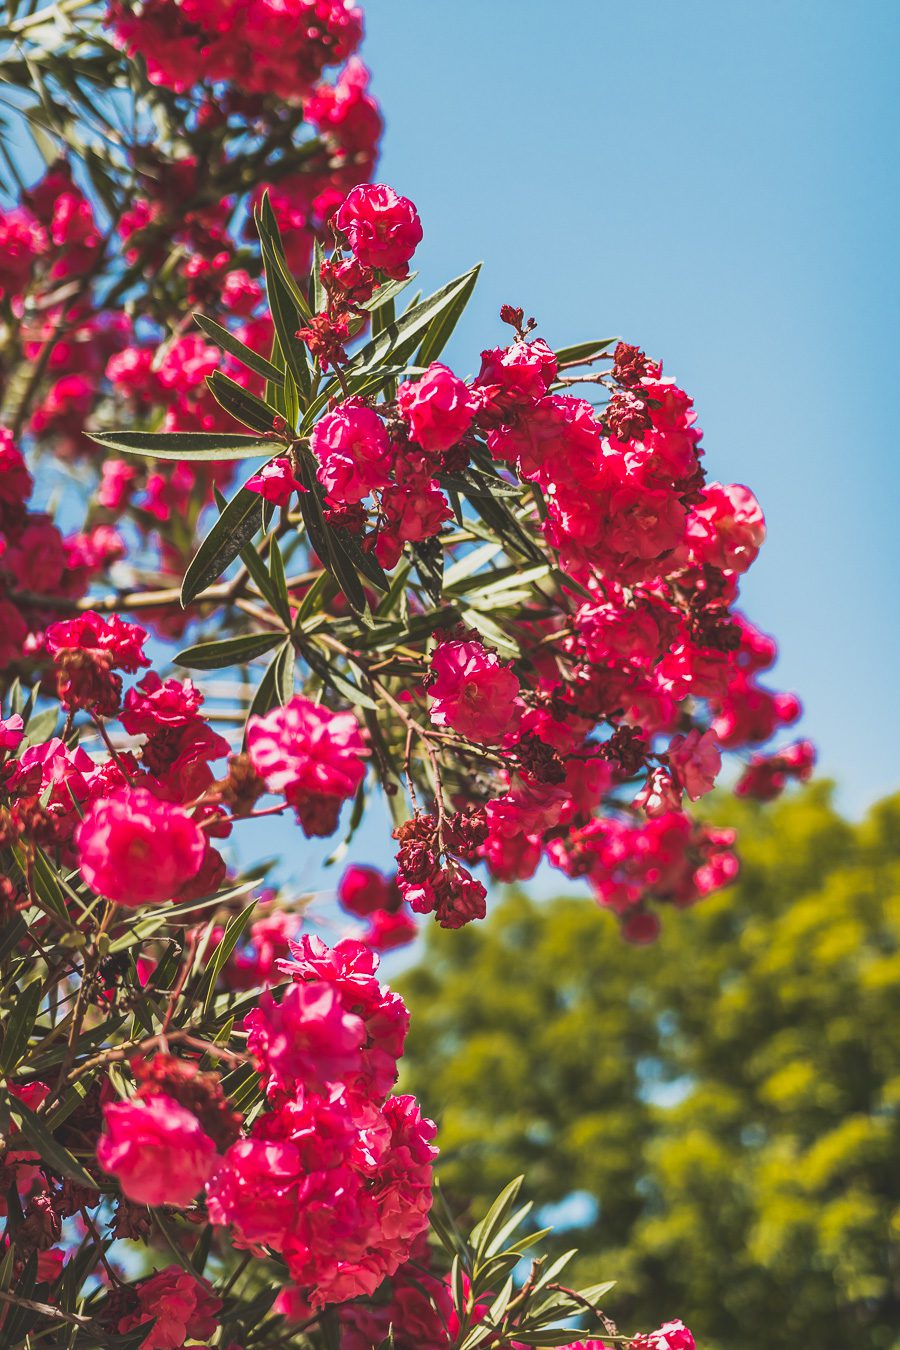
(157, 1149)
(136, 849)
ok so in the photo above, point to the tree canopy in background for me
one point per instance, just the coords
(729, 1096)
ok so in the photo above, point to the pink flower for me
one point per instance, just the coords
(123, 642)
(726, 528)
(138, 850)
(315, 757)
(349, 968)
(473, 693)
(11, 732)
(382, 228)
(157, 1149)
(275, 482)
(363, 890)
(15, 480)
(520, 374)
(696, 760)
(415, 510)
(307, 1039)
(353, 450)
(180, 1306)
(154, 704)
(389, 929)
(670, 1336)
(438, 407)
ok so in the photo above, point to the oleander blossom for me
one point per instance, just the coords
(337, 1174)
(670, 1336)
(275, 482)
(696, 760)
(313, 757)
(157, 1149)
(473, 693)
(259, 46)
(353, 451)
(180, 1306)
(137, 849)
(438, 408)
(382, 228)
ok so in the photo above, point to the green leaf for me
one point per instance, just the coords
(230, 938)
(181, 445)
(328, 672)
(38, 729)
(580, 352)
(261, 575)
(595, 1292)
(52, 1152)
(19, 1026)
(233, 345)
(229, 652)
(429, 559)
(316, 598)
(284, 673)
(287, 318)
(278, 580)
(388, 293)
(316, 289)
(270, 239)
(412, 324)
(274, 684)
(235, 527)
(440, 330)
(241, 404)
(496, 1216)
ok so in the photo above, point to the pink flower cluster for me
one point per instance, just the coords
(262, 46)
(311, 756)
(336, 1176)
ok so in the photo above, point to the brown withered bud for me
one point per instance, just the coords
(121, 1302)
(540, 759)
(131, 1221)
(242, 788)
(466, 831)
(419, 827)
(514, 315)
(41, 1226)
(73, 1198)
(626, 417)
(351, 517)
(626, 749)
(38, 824)
(713, 628)
(416, 862)
(85, 679)
(629, 365)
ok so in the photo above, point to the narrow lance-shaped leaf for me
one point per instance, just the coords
(229, 652)
(410, 325)
(236, 526)
(181, 445)
(233, 345)
(440, 330)
(243, 405)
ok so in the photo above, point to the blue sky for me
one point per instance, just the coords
(718, 183)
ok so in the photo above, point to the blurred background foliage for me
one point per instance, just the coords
(715, 1118)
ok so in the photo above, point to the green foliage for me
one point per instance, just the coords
(731, 1095)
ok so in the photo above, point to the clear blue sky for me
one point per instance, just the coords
(717, 182)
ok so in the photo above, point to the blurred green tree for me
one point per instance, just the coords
(729, 1098)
